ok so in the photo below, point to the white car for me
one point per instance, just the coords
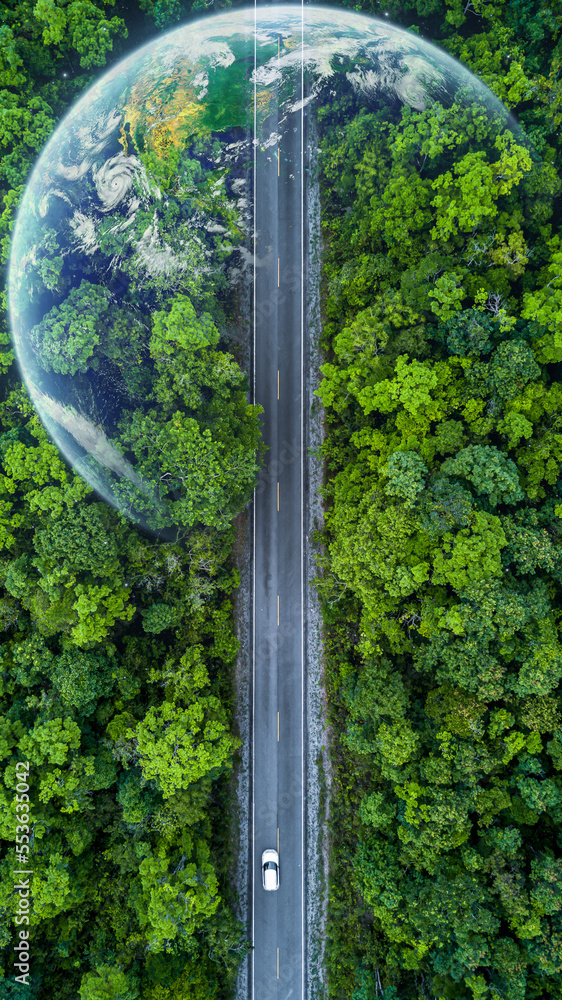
(270, 869)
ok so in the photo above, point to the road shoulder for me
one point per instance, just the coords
(317, 785)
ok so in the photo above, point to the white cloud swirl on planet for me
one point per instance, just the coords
(114, 180)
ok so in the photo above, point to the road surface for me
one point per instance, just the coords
(277, 962)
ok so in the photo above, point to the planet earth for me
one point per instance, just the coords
(140, 209)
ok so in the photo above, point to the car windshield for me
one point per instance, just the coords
(270, 864)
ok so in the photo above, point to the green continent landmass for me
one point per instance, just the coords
(167, 118)
(229, 101)
(174, 113)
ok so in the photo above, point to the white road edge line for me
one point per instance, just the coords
(254, 533)
(302, 508)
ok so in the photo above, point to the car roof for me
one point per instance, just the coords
(270, 878)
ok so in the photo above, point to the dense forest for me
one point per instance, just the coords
(442, 562)
(441, 568)
(117, 645)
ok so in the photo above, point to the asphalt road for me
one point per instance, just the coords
(277, 925)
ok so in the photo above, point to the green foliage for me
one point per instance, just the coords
(471, 554)
(177, 747)
(469, 332)
(85, 26)
(95, 617)
(92, 712)
(488, 471)
(81, 679)
(176, 903)
(407, 474)
(545, 304)
(198, 446)
(467, 194)
(180, 328)
(158, 617)
(108, 983)
(67, 337)
(50, 742)
(164, 12)
(197, 982)
(512, 366)
(441, 565)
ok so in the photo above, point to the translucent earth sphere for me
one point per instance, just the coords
(131, 257)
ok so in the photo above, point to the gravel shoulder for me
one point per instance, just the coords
(317, 797)
(240, 823)
(242, 680)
